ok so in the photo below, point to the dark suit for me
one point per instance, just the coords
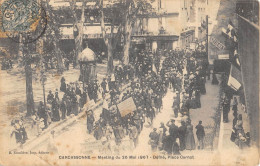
(200, 135)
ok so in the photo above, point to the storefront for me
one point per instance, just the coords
(156, 42)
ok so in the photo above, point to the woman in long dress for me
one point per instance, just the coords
(55, 111)
(35, 125)
(190, 141)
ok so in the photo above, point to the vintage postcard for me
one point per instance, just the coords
(129, 82)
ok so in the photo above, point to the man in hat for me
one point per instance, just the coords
(55, 111)
(41, 110)
(50, 97)
(226, 109)
(104, 85)
(182, 134)
(133, 134)
(119, 134)
(163, 128)
(108, 132)
(98, 132)
(154, 138)
(173, 129)
(200, 135)
(63, 85)
(57, 96)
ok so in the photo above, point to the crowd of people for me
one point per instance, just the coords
(149, 78)
(185, 74)
(74, 97)
(238, 135)
(146, 91)
(182, 72)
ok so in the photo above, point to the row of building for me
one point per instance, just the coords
(175, 24)
(172, 24)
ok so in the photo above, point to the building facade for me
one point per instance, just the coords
(174, 24)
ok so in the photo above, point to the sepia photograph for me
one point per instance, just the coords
(129, 82)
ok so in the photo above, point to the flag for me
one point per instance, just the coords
(230, 32)
(235, 78)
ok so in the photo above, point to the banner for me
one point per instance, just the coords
(126, 107)
(217, 43)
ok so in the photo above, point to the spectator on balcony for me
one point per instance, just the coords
(162, 30)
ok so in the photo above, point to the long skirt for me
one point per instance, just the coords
(190, 141)
(56, 115)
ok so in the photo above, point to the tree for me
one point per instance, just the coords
(54, 32)
(78, 27)
(29, 88)
(123, 14)
(131, 10)
(27, 60)
(110, 39)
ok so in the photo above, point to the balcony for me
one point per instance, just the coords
(248, 11)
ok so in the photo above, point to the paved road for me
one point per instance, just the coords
(209, 104)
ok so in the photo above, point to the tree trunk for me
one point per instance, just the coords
(79, 25)
(29, 89)
(59, 58)
(109, 57)
(107, 40)
(128, 31)
(78, 40)
(59, 61)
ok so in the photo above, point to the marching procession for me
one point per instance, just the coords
(147, 83)
(151, 80)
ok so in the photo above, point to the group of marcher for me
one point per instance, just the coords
(149, 82)
(72, 103)
(146, 90)
(185, 75)
(172, 139)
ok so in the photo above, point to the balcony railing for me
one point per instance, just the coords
(249, 11)
(159, 33)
